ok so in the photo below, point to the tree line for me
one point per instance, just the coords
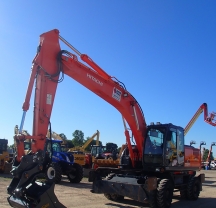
(78, 140)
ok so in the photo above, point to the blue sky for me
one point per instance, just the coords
(163, 51)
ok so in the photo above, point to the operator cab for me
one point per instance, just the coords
(97, 151)
(3, 145)
(164, 146)
(55, 144)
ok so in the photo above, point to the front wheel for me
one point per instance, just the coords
(54, 173)
(164, 193)
(77, 175)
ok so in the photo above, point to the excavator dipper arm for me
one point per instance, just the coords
(49, 62)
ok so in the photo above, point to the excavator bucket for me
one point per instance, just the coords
(38, 195)
(28, 187)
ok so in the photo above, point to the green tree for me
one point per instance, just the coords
(69, 144)
(205, 155)
(78, 138)
(11, 146)
(111, 146)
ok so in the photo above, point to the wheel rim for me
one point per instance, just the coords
(51, 173)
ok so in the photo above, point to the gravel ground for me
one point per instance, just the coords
(79, 195)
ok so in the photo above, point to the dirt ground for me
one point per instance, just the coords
(79, 195)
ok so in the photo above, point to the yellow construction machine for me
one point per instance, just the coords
(5, 166)
(112, 160)
(79, 153)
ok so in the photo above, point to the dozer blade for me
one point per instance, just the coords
(37, 196)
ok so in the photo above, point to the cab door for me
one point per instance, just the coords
(175, 147)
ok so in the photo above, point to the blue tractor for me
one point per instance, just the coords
(62, 163)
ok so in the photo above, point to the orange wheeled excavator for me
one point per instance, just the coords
(150, 169)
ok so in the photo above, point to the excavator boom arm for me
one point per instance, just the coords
(49, 62)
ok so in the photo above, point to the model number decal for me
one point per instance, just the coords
(116, 94)
(94, 79)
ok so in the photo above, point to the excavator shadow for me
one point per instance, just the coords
(6, 175)
(208, 182)
(177, 203)
(200, 203)
(127, 203)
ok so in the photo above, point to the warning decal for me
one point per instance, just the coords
(116, 94)
(49, 99)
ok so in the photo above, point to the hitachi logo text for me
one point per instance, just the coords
(95, 80)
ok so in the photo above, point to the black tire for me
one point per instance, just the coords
(54, 173)
(183, 193)
(164, 193)
(114, 197)
(193, 188)
(77, 175)
(117, 197)
(108, 196)
(153, 199)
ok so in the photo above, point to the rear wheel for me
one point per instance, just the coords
(193, 189)
(164, 193)
(183, 193)
(77, 175)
